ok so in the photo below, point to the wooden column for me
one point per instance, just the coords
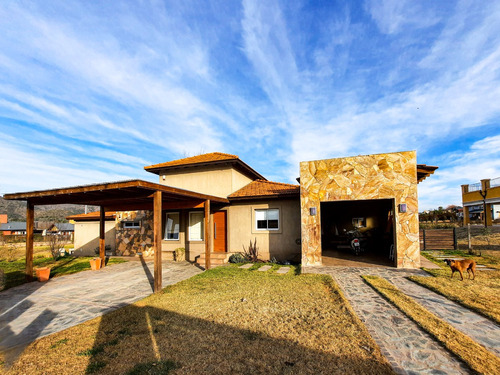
(466, 215)
(208, 236)
(157, 205)
(30, 223)
(102, 236)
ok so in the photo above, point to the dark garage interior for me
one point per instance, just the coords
(371, 221)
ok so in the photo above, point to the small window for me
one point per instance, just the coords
(132, 224)
(267, 219)
(196, 226)
(172, 226)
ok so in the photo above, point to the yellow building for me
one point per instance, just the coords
(485, 194)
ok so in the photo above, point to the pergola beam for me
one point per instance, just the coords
(157, 241)
(30, 224)
(208, 237)
(102, 236)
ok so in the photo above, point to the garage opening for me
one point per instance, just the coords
(371, 222)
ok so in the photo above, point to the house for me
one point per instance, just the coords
(481, 197)
(13, 228)
(86, 232)
(276, 215)
(214, 204)
(63, 229)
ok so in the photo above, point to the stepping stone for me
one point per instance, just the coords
(246, 266)
(283, 270)
(264, 268)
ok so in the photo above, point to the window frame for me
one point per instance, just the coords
(179, 226)
(266, 210)
(136, 226)
(202, 223)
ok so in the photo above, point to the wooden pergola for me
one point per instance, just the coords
(122, 196)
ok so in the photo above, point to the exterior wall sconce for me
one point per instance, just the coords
(402, 207)
(312, 211)
(163, 177)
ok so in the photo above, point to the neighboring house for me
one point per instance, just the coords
(13, 228)
(481, 197)
(86, 232)
(64, 229)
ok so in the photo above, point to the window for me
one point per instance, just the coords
(171, 226)
(196, 226)
(132, 224)
(267, 219)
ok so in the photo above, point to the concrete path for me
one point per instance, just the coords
(408, 349)
(477, 327)
(36, 309)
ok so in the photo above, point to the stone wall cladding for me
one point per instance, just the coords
(132, 241)
(381, 176)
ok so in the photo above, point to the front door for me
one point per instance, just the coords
(220, 220)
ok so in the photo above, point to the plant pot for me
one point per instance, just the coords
(95, 264)
(43, 274)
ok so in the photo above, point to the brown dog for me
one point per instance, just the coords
(462, 265)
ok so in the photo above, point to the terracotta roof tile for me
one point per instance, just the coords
(205, 158)
(261, 188)
(91, 216)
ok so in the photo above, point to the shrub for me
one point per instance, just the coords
(236, 258)
(252, 254)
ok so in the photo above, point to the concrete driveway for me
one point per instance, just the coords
(36, 309)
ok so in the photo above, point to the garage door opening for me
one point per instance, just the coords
(371, 221)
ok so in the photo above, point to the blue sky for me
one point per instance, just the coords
(92, 91)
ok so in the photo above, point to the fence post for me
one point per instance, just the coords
(424, 241)
(455, 242)
(468, 236)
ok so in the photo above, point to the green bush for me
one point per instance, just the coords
(237, 258)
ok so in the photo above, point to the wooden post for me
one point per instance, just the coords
(455, 242)
(466, 215)
(208, 236)
(468, 237)
(157, 206)
(425, 244)
(30, 223)
(102, 237)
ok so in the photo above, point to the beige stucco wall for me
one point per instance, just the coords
(87, 236)
(382, 176)
(219, 181)
(280, 244)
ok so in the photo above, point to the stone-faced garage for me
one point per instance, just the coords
(378, 190)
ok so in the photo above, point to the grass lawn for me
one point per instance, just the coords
(474, 355)
(16, 251)
(226, 320)
(481, 294)
(14, 271)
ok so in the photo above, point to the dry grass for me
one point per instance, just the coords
(474, 355)
(226, 320)
(481, 242)
(481, 294)
(15, 251)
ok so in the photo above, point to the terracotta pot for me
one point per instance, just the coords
(43, 274)
(95, 264)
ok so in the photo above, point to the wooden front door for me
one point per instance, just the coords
(220, 220)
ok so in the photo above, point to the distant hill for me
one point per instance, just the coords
(55, 213)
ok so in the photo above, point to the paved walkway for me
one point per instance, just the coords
(477, 327)
(33, 310)
(409, 349)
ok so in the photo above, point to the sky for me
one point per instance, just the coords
(92, 91)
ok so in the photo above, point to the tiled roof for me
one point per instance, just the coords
(13, 225)
(198, 159)
(91, 216)
(269, 189)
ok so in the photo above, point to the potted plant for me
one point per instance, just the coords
(43, 274)
(95, 264)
